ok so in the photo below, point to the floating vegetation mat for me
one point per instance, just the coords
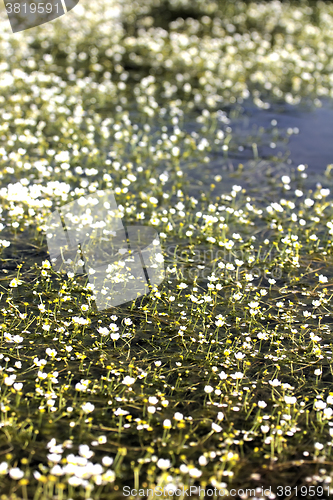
(220, 377)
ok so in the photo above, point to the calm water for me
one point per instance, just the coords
(313, 145)
(285, 137)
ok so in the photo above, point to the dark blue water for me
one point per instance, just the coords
(312, 145)
(269, 143)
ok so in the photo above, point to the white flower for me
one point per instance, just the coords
(80, 321)
(322, 279)
(153, 400)
(51, 352)
(328, 412)
(3, 468)
(290, 400)
(120, 412)
(314, 337)
(85, 451)
(181, 286)
(13, 284)
(178, 416)
(216, 427)
(16, 473)
(195, 472)
(102, 439)
(82, 385)
(151, 409)
(51, 443)
(319, 405)
(163, 463)
(239, 262)
(75, 481)
(262, 404)
(87, 407)
(264, 428)
(54, 457)
(57, 470)
(17, 338)
(262, 335)
(128, 380)
(107, 461)
(318, 446)
(230, 267)
(167, 424)
(109, 476)
(62, 157)
(208, 389)
(103, 331)
(9, 379)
